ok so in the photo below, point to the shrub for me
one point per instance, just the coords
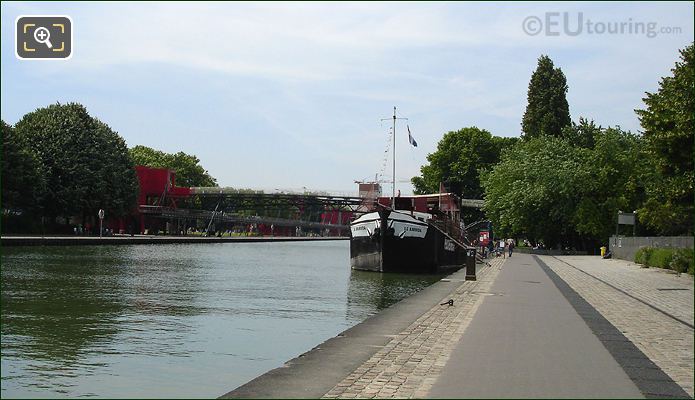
(679, 260)
(660, 258)
(642, 255)
(683, 261)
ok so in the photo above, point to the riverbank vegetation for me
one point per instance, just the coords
(562, 183)
(59, 163)
(75, 164)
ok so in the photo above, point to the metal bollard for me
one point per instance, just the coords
(470, 265)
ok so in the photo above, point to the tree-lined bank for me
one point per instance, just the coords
(60, 163)
(563, 183)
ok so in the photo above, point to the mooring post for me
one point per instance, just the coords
(470, 264)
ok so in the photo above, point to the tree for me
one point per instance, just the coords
(615, 166)
(532, 191)
(547, 112)
(669, 130)
(86, 163)
(457, 163)
(22, 177)
(120, 180)
(188, 170)
(582, 134)
(550, 189)
(459, 157)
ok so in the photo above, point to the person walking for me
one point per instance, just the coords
(504, 255)
(511, 246)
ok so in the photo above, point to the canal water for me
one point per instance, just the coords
(180, 320)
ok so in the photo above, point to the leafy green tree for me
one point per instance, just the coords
(459, 157)
(120, 180)
(23, 182)
(457, 163)
(188, 170)
(532, 191)
(669, 130)
(551, 190)
(86, 163)
(582, 134)
(547, 112)
(614, 168)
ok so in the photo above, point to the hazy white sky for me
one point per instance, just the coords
(290, 95)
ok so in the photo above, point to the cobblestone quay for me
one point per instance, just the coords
(530, 326)
(329, 368)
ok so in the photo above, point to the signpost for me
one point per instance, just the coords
(626, 219)
(101, 220)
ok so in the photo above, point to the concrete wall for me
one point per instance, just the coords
(625, 247)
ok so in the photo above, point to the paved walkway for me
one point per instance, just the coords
(660, 288)
(543, 327)
(652, 308)
(528, 341)
(410, 363)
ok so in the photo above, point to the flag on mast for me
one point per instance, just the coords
(410, 137)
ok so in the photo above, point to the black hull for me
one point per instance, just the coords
(384, 252)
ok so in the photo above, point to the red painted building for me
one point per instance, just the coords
(156, 181)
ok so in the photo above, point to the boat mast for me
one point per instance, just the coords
(393, 202)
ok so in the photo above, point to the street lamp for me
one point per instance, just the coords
(101, 220)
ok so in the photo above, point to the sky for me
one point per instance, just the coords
(290, 96)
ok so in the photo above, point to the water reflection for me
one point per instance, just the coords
(65, 308)
(59, 302)
(370, 292)
(162, 281)
(56, 304)
(175, 320)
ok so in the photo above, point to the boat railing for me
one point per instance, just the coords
(450, 228)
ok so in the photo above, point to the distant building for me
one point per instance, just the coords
(370, 190)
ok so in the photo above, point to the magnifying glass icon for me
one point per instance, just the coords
(42, 35)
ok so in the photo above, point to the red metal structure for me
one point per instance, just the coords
(156, 182)
(161, 205)
(159, 199)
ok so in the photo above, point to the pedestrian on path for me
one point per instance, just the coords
(511, 246)
(504, 255)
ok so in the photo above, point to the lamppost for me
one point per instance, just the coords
(634, 225)
(101, 220)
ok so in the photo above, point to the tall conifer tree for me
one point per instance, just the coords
(547, 111)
